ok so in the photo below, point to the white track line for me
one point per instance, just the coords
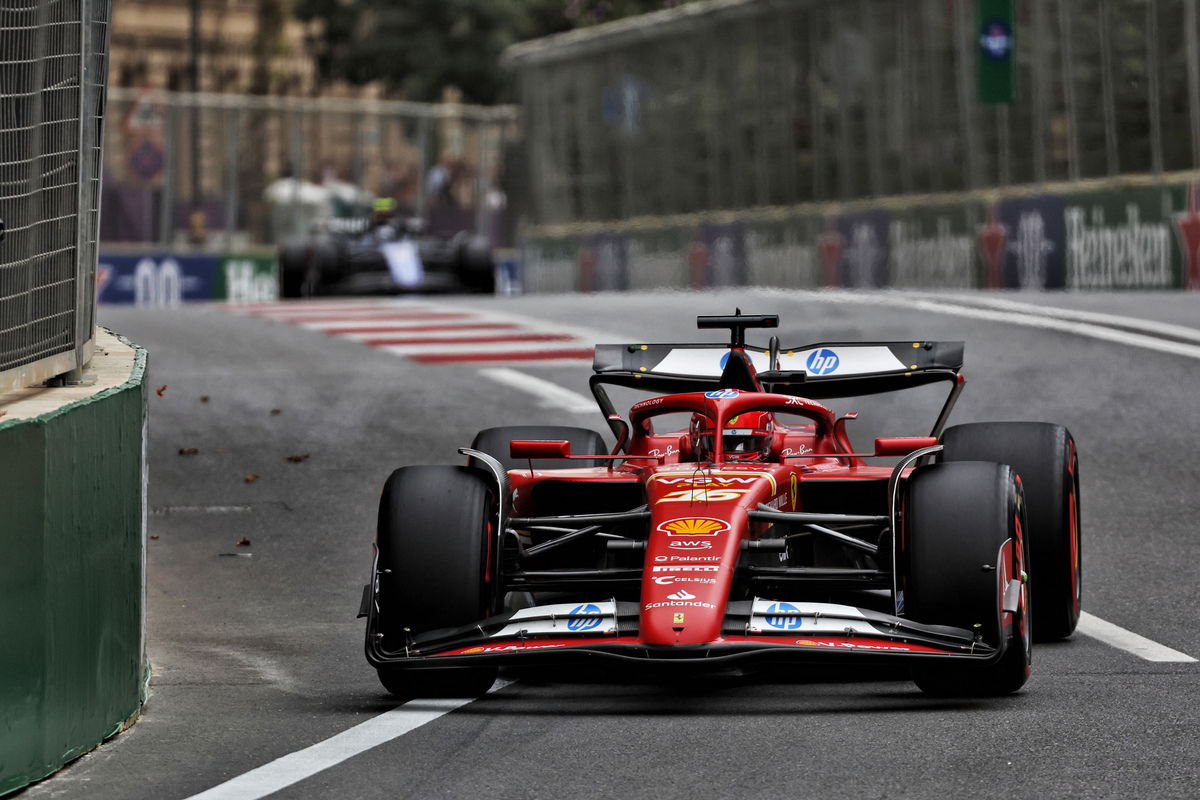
(350, 321)
(549, 395)
(295, 767)
(479, 348)
(469, 335)
(1130, 642)
(1090, 330)
(284, 309)
(1111, 320)
(1146, 341)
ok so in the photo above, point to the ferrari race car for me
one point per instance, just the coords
(751, 534)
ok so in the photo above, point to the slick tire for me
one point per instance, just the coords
(1044, 456)
(476, 267)
(958, 518)
(584, 442)
(433, 531)
(293, 269)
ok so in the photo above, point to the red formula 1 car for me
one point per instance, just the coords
(754, 534)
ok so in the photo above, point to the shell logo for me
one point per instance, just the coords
(693, 526)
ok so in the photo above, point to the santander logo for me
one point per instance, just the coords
(682, 594)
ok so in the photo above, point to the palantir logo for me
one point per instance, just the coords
(589, 616)
(823, 362)
(779, 615)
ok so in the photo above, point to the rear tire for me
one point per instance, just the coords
(433, 540)
(293, 267)
(1044, 456)
(584, 442)
(957, 520)
(476, 268)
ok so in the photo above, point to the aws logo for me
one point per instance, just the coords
(693, 526)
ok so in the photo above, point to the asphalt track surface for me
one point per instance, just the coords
(257, 654)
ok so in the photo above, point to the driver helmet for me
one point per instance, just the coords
(747, 437)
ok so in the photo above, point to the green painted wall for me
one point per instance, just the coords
(72, 660)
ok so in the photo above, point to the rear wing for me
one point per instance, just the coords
(815, 371)
(822, 370)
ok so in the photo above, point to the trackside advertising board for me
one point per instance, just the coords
(167, 279)
(1117, 237)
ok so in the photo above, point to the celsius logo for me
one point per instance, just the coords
(591, 617)
(779, 615)
(823, 362)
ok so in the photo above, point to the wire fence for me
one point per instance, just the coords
(53, 69)
(235, 172)
(733, 104)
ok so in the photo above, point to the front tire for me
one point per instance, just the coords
(962, 537)
(1044, 456)
(433, 541)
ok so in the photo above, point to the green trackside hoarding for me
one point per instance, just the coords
(1126, 239)
(1140, 233)
(785, 252)
(996, 47)
(72, 664)
(246, 278)
(934, 247)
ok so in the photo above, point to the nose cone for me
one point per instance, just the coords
(699, 517)
(689, 570)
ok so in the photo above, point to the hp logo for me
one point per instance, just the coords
(592, 620)
(776, 619)
(823, 362)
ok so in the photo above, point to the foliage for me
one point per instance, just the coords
(418, 47)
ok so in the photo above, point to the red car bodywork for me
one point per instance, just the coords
(703, 516)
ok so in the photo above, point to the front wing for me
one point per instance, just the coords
(759, 631)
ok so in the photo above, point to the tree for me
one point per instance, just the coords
(418, 47)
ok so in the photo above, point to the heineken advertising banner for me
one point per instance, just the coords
(718, 256)
(603, 265)
(1139, 237)
(1123, 239)
(785, 253)
(933, 248)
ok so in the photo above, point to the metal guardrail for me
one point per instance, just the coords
(53, 71)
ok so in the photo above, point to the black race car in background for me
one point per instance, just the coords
(384, 253)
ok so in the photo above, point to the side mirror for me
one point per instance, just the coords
(531, 448)
(902, 445)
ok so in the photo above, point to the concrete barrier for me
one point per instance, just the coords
(1134, 232)
(73, 670)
